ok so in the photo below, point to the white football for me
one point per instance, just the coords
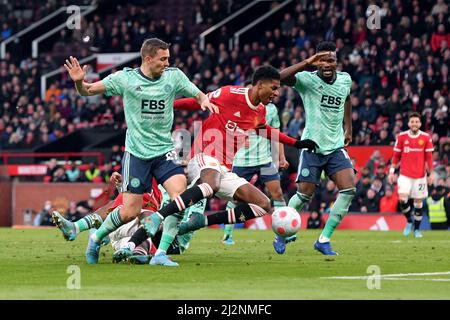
(286, 221)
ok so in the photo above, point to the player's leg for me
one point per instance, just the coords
(419, 192)
(228, 228)
(340, 169)
(71, 229)
(253, 204)
(308, 177)
(247, 173)
(404, 190)
(203, 169)
(136, 180)
(272, 183)
(119, 239)
(417, 217)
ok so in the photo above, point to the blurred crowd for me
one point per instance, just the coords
(399, 68)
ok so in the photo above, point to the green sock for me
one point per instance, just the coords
(298, 201)
(279, 203)
(228, 228)
(170, 230)
(111, 223)
(88, 222)
(338, 212)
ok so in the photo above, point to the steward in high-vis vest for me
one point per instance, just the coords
(438, 211)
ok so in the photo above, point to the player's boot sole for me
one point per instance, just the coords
(67, 228)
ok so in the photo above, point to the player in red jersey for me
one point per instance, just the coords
(241, 113)
(150, 203)
(413, 151)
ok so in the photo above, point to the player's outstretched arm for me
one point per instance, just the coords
(272, 133)
(77, 74)
(288, 74)
(189, 104)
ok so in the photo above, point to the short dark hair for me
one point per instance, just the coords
(414, 115)
(151, 46)
(265, 73)
(326, 46)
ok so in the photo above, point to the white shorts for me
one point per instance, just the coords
(414, 188)
(120, 237)
(229, 182)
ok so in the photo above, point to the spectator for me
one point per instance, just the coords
(72, 213)
(116, 155)
(370, 203)
(329, 194)
(438, 208)
(92, 172)
(439, 37)
(59, 175)
(315, 221)
(389, 203)
(106, 172)
(44, 217)
(52, 166)
(295, 124)
(73, 174)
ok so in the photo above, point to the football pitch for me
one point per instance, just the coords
(38, 264)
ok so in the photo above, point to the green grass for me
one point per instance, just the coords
(33, 265)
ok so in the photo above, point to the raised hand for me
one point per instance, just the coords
(76, 73)
(316, 60)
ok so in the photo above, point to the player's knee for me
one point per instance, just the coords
(213, 185)
(277, 194)
(306, 189)
(128, 213)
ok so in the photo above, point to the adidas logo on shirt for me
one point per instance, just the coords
(237, 114)
(138, 88)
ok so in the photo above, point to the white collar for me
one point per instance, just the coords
(247, 98)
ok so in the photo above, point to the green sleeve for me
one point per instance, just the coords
(272, 117)
(301, 81)
(185, 87)
(115, 83)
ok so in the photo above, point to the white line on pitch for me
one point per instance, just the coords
(390, 275)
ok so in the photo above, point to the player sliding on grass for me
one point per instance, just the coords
(413, 152)
(148, 93)
(222, 134)
(326, 99)
(150, 203)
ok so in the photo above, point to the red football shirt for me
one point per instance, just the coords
(413, 152)
(223, 133)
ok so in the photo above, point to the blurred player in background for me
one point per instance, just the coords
(326, 99)
(255, 158)
(148, 93)
(413, 151)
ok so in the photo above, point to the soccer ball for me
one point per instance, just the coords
(286, 221)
